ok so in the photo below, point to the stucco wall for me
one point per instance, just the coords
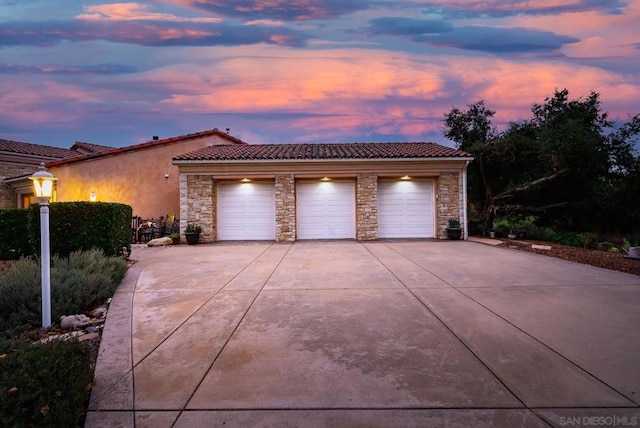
(135, 178)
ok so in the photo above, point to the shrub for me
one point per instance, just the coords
(84, 225)
(43, 385)
(78, 282)
(567, 238)
(14, 236)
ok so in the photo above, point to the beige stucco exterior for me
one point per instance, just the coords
(142, 177)
(199, 180)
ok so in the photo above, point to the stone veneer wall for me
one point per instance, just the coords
(197, 201)
(285, 208)
(448, 201)
(8, 197)
(367, 206)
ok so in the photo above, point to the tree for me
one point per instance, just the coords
(556, 165)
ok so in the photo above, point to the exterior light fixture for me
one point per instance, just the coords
(325, 179)
(43, 185)
(92, 197)
(405, 177)
(246, 180)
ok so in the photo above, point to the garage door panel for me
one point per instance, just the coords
(326, 210)
(406, 209)
(246, 211)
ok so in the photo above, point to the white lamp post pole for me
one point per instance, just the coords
(45, 264)
(43, 186)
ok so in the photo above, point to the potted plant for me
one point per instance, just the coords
(192, 233)
(175, 238)
(454, 231)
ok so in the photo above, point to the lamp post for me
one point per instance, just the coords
(43, 186)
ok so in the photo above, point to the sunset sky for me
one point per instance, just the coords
(277, 71)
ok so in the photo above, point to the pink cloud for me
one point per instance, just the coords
(132, 12)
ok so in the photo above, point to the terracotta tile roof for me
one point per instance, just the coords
(146, 145)
(86, 148)
(18, 147)
(322, 151)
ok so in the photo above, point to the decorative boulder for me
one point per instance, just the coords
(159, 242)
(74, 322)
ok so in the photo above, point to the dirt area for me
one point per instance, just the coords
(604, 259)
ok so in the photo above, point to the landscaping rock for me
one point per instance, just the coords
(74, 322)
(159, 242)
(88, 336)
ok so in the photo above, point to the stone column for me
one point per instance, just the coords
(198, 205)
(448, 201)
(285, 208)
(367, 206)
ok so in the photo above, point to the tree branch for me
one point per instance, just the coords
(530, 208)
(512, 192)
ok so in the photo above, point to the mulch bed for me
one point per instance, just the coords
(603, 259)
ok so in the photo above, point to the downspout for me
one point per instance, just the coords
(465, 230)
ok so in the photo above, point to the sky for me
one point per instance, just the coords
(280, 71)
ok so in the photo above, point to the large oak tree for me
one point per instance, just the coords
(563, 165)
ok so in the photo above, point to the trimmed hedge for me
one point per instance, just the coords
(84, 225)
(73, 226)
(14, 237)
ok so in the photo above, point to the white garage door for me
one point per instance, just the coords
(405, 209)
(246, 211)
(326, 209)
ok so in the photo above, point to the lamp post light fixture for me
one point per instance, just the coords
(43, 185)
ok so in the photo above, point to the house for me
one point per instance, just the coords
(19, 160)
(288, 192)
(140, 175)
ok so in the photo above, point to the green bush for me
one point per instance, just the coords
(43, 385)
(14, 236)
(78, 283)
(84, 225)
(567, 238)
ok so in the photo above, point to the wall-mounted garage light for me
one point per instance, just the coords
(405, 177)
(246, 180)
(325, 179)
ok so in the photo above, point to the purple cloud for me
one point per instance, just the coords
(498, 40)
(66, 69)
(147, 33)
(503, 8)
(284, 10)
(407, 26)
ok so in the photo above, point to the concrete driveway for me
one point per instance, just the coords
(383, 334)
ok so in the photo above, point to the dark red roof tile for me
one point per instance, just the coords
(146, 145)
(321, 151)
(18, 147)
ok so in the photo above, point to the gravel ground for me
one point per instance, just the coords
(604, 259)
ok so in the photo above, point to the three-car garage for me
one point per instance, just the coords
(325, 209)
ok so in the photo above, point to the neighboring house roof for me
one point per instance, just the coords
(146, 145)
(28, 149)
(87, 148)
(322, 151)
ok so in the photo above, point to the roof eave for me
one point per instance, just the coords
(260, 161)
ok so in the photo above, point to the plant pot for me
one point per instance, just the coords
(492, 234)
(192, 238)
(454, 233)
(175, 241)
